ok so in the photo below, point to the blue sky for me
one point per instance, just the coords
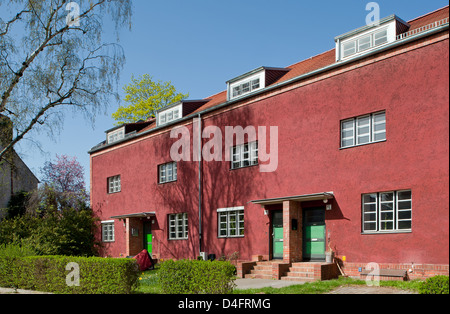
(200, 44)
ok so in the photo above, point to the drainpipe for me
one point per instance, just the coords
(200, 169)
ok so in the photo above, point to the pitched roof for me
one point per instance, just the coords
(328, 58)
(316, 62)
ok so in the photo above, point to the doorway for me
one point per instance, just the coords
(148, 238)
(277, 234)
(314, 238)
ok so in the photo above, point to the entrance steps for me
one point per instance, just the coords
(301, 271)
(262, 270)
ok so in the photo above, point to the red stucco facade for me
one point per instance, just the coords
(409, 82)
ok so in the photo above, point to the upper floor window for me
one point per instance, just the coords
(387, 211)
(244, 155)
(170, 114)
(364, 42)
(116, 135)
(363, 130)
(168, 172)
(114, 185)
(246, 87)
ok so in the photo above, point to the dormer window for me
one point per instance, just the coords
(369, 37)
(364, 43)
(177, 111)
(246, 87)
(116, 135)
(253, 81)
(169, 115)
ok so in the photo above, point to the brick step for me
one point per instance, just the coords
(263, 267)
(303, 269)
(261, 272)
(258, 276)
(301, 274)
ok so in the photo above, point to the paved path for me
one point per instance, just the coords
(18, 291)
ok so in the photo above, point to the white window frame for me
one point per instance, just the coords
(168, 172)
(231, 222)
(108, 231)
(178, 226)
(244, 155)
(116, 135)
(357, 47)
(384, 207)
(114, 184)
(169, 115)
(357, 129)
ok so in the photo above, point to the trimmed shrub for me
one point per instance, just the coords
(195, 277)
(435, 285)
(49, 274)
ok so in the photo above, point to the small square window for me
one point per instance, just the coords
(108, 231)
(114, 185)
(244, 155)
(168, 172)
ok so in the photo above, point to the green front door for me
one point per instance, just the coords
(314, 234)
(277, 234)
(148, 238)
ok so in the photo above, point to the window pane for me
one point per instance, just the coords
(404, 205)
(363, 130)
(368, 208)
(385, 226)
(386, 197)
(370, 198)
(349, 48)
(255, 84)
(347, 133)
(370, 226)
(404, 225)
(404, 214)
(404, 195)
(380, 38)
(364, 43)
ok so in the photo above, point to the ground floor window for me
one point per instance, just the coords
(387, 211)
(108, 231)
(178, 226)
(231, 222)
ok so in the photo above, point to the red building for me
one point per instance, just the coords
(350, 153)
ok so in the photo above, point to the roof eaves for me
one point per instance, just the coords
(284, 83)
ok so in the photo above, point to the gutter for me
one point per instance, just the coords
(284, 83)
(200, 188)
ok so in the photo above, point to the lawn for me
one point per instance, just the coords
(149, 285)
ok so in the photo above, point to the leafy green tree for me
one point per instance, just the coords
(144, 97)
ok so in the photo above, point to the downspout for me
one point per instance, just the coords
(200, 175)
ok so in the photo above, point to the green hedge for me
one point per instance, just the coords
(195, 277)
(49, 274)
(435, 285)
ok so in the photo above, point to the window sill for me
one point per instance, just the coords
(347, 147)
(385, 232)
(245, 167)
(231, 237)
(168, 182)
